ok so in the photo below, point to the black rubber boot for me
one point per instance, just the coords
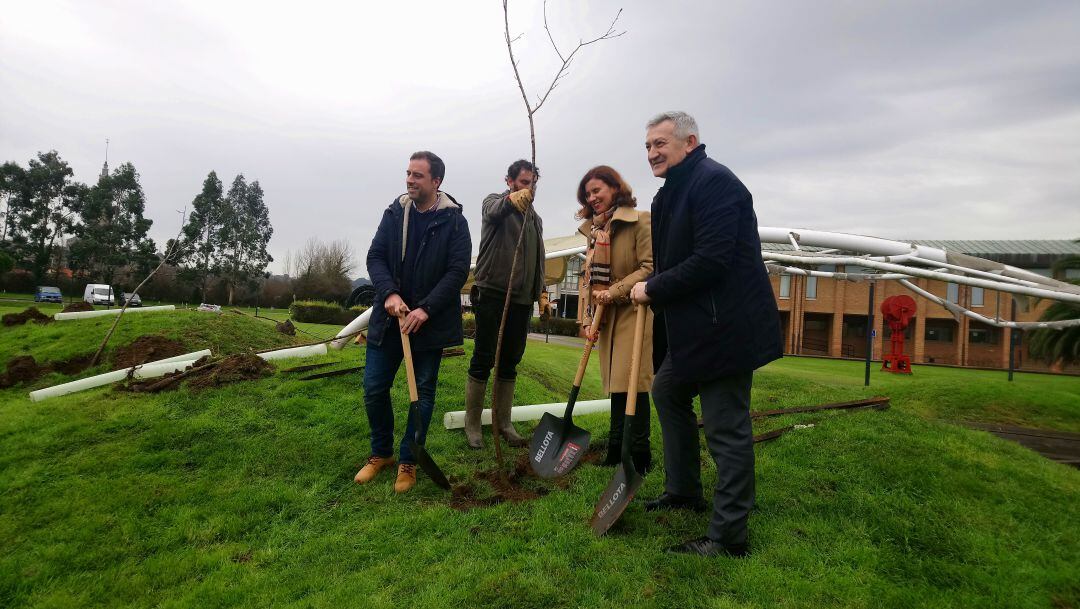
(615, 431)
(642, 461)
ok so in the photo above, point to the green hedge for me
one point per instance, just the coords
(556, 325)
(317, 312)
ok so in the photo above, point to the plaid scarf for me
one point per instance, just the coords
(598, 258)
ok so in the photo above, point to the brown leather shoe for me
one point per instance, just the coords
(373, 466)
(406, 477)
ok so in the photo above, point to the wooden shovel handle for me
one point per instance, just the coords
(589, 343)
(406, 348)
(635, 360)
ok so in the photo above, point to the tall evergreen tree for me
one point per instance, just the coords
(245, 233)
(12, 185)
(201, 238)
(113, 232)
(46, 211)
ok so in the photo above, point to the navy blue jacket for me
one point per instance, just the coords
(441, 270)
(715, 312)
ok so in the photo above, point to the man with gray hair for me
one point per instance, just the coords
(715, 323)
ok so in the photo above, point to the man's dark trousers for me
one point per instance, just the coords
(488, 310)
(380, 368)
(725, 410)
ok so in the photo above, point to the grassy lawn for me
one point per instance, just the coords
(243, 496)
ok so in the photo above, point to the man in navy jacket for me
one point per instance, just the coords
(418, 262)
(715, 323)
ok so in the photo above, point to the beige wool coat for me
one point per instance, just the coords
(631, 262)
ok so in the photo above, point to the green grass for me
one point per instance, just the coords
(243, 496)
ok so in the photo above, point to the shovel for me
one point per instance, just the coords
(423, 459)
(557, 444)
(626, 481)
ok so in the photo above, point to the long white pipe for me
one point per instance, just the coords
(925, 273)
(145, 371)
(887, 247)
(194, 355)
(107, 312)
(456, 419)
(305, 351)
(1000, 323)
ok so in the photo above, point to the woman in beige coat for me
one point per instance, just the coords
(619, 255)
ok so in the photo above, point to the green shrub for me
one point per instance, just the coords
(556, 325)
(318, 312)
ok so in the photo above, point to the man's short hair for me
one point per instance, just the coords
(438, 168)
(685, 125)
(521, 165)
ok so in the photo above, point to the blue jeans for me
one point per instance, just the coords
(380, 369)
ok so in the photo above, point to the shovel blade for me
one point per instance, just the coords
(423, 458)
(615, 499)
(554, 451)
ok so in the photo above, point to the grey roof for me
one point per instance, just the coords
(995, 247)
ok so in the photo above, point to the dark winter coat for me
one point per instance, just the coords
(441, 269)
(714, 304)
(498, 239)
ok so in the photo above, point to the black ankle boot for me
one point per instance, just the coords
(642, 461)
(614, 453)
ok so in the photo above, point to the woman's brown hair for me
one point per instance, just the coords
(624, 196)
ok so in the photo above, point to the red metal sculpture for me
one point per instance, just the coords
(898, 311)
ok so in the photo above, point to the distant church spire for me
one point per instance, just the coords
(105, 167)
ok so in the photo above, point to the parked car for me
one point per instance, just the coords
(98, 294)
(46, 293)
(131, 298)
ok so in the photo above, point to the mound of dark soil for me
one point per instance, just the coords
(205, 374)
(25, 369)
(146, 348)
(20, 369)
(30, 314)
(286, 327)
(232, 369)
(78, 307)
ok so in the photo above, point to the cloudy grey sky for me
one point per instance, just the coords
(926, 119)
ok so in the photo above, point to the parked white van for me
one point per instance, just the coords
(99, 294)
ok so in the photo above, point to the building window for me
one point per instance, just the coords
(943, 334)
(983, 336)
(976, 297)
(785, 286)
(811, 288)
(952, 293)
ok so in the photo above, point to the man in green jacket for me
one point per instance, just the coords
(504, 215)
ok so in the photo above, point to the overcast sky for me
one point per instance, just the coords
(919, 119)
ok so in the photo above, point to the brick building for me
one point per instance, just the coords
(827, 317)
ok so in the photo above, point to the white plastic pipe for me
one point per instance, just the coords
(355, 325)
(145, 371)
(533, 412)
(106, 312)
(307, 351)
(194, 355)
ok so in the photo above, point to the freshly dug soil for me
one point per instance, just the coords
(286, 327)
(30, 314)
(232, 369)
(20, 369)
(514, 486)
(205, 374)
(25, 369)
(146, 348)
(78, 307)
